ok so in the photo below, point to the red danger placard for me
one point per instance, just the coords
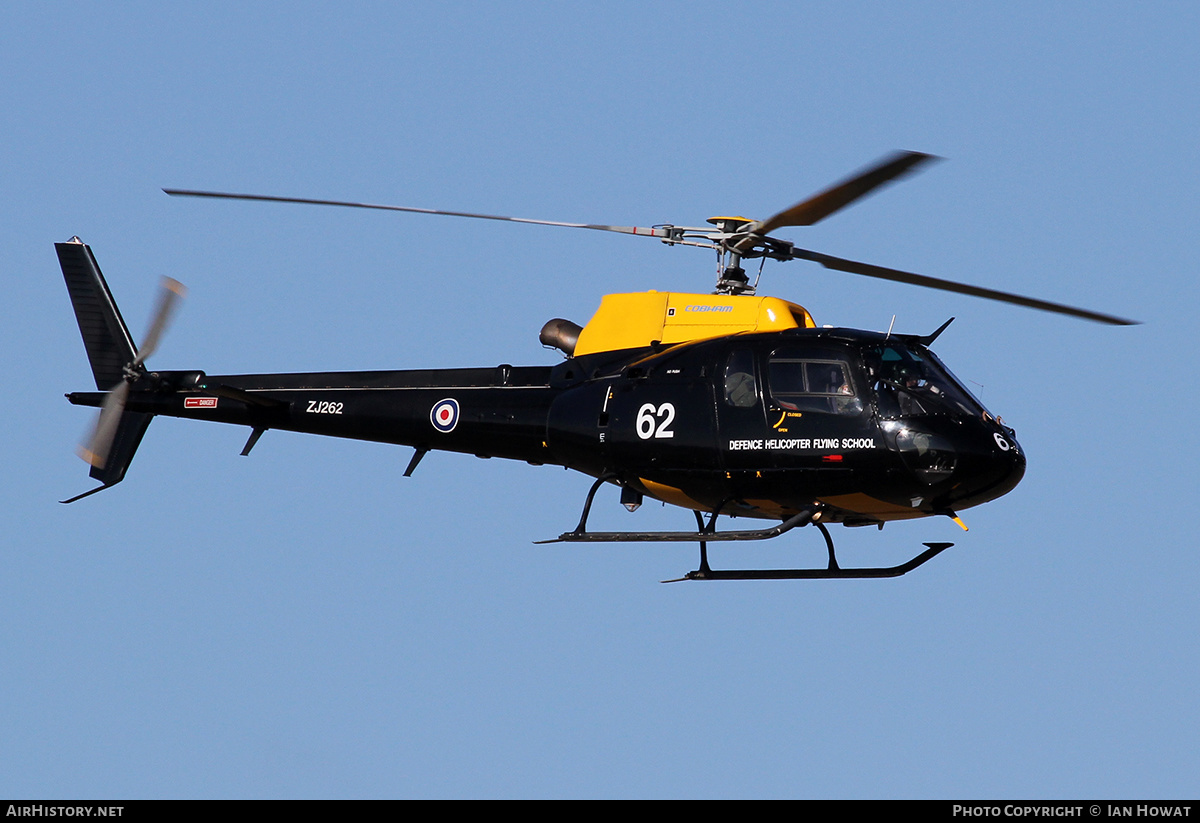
(199, 402)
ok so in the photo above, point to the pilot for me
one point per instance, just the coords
(845, 402)
(740, 390)
(910, 382)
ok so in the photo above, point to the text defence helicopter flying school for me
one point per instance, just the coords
(726, 403)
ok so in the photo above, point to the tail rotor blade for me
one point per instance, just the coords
(95, 451)
(168, 300)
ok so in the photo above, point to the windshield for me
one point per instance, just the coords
(910, 382)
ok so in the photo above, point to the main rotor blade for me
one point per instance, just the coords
(868, 270)
(820, 206)
(638, 230)
(168, 299)
(95, 451)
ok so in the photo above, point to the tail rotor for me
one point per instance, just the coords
(96, 449)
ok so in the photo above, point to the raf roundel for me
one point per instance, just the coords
(444, 415)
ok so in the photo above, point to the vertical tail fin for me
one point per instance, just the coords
(110, 350)
(109, 346)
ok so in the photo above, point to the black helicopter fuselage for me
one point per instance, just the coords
(727, 403)
(867, 427)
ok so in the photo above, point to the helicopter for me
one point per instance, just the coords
(728, 404)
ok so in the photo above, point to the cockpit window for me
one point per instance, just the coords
(808, 384)
(909, 383)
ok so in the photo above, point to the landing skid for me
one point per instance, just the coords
(706, 533)
(831, 572)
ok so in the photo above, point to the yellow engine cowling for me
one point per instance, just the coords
(627, 321)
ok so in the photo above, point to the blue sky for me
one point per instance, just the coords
(307, 622)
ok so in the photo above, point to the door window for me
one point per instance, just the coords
(811, 385)
(741, 389)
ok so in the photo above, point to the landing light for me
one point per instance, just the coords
(630, 499)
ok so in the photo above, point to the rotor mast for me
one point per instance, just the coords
(731, 277)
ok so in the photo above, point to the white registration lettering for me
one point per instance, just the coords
(324, 407)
